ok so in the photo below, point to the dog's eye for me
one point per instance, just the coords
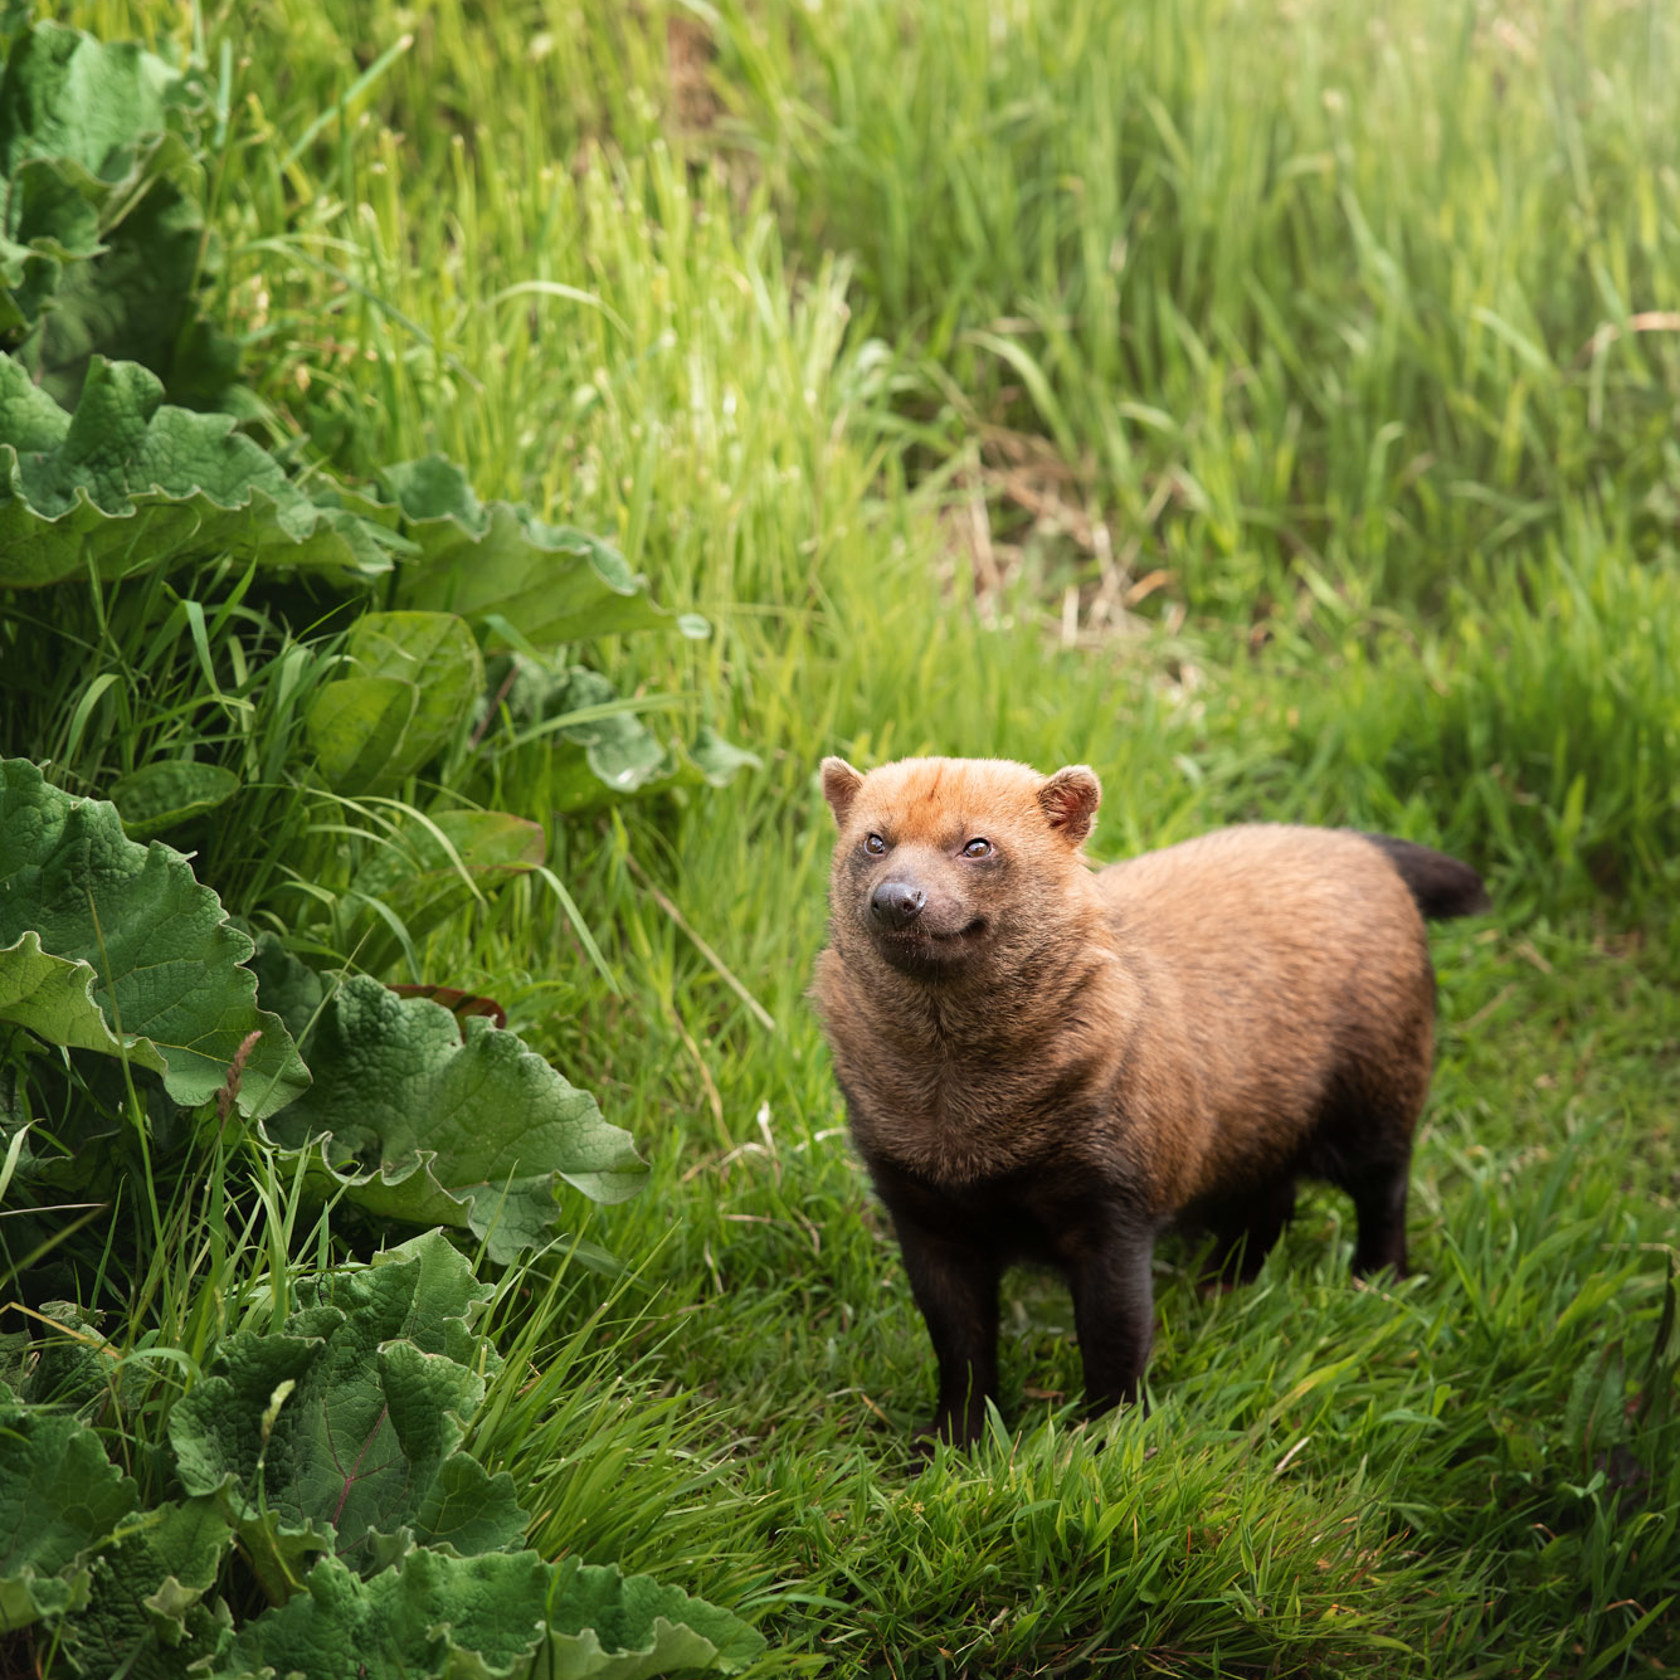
(978, 848)
(875, 845)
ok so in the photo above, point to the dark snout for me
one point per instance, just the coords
(896, 904)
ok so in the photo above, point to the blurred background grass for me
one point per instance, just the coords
(1273, 406)
(1348, 343)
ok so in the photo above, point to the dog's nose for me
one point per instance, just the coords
(896, 904)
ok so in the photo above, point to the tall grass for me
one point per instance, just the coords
(1307, 291)
(1306, 341)
(1297, 299)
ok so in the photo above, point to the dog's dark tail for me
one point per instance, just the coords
(1442, 886)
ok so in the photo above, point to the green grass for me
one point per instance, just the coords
(1286, 303)
(1437, 1419)
(1293, 290)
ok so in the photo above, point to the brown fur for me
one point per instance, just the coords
(1052, 1064)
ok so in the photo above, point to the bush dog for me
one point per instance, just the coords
(1048, 1063)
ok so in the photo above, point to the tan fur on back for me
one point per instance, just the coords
(1276, 959)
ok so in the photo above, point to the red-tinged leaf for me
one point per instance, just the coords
(459, 1004)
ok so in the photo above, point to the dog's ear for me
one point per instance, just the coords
(840, 783)
(1069, 800)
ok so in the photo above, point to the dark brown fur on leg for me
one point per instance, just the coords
(1114, 1315)
(1379, 1200)
(1045, 1063)
(956, 1286)
(1247, 1232)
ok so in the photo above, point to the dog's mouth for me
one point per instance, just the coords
(919, 945)
(920, 931)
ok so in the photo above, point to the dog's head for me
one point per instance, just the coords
(945, 866)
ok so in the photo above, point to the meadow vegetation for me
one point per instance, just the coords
(1274, 407)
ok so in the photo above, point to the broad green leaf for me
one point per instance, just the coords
(80, 137)
(160, 796)
(417, 880)
(623, 1627)
(433, 1615)
(292, 989)
(356, 726)
(147, 1584)
(719, 761)
(52, 221)
(434, 651)
(616, 753)
(173, 1558)
(489, 1618)
(135, 301)
(128, 484)
(415, 678)
(281, 1550)
(53, 997)
(102, 240)
(151, 950)
(420, 1117)
(557, 584)
(66, 94)
(59, 1497)
(435, 488)
(347, 1426)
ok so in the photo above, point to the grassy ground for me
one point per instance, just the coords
(1271, 407)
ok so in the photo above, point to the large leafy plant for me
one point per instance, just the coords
(111, 949)
(308, 685)
(185, 627)
(318, 1463)
(103, 239)
(237, 561)
(127, 483)
(318, 1473)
